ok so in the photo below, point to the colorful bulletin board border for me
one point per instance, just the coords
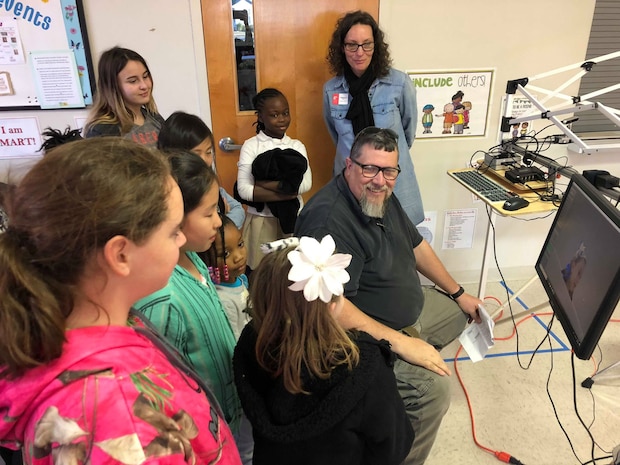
(452, 103)
(77, 39)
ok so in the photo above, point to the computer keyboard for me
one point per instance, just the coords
(483, 186)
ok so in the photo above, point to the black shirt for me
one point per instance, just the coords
(351, 418)
(384, 281)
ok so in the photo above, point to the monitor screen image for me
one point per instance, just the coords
(579, 264)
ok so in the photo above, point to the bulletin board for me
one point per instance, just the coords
(45, 60)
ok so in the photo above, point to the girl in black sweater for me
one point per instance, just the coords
(313, 392)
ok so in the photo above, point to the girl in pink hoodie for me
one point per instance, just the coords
(93, 227)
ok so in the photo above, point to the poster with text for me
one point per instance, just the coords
(452, 103)
(458, 228)
(56, 79)
(19, 137)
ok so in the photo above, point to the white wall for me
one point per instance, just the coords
(517, 39)
(167, 34)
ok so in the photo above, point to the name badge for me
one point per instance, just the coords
(340, 99)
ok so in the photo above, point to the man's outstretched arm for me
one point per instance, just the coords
(412, 350)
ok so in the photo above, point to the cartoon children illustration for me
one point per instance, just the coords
(459, 119)
(467, 106)
(427, 118)
(457, 98)
(524, 128)
(448, 110)
(515, 130)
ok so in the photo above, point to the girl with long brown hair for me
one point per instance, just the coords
(313, 392)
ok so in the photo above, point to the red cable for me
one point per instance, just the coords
(514, 328)
(471, 411)
(503, 456)
(500, 455)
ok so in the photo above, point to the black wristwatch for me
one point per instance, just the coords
(458, 293)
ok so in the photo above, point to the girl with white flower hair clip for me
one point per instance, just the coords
(314, 392)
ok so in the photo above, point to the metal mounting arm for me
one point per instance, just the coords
(570, 105)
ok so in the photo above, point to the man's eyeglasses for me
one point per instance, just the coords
(370, 171)
(352, 46)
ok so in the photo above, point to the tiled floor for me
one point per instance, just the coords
(511, 408)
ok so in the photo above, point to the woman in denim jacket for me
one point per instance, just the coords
(366, 91)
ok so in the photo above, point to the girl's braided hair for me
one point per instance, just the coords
(259, 103)
(215, 256)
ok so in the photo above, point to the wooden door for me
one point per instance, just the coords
(291, 39)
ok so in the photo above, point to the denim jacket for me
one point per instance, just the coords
(394, 106)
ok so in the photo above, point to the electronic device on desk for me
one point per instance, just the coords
(515, 203)
(500, 173)
(524, 174)
(504, 160)
(579, 264)
(483, 186)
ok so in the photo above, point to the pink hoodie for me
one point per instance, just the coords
(114, 397)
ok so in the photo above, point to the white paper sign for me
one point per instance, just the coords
(458, 228)
(57, 80)
(19, 137)
(80, 122)
(11, 50)
(428, 226)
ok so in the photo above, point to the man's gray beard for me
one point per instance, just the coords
(374, 210)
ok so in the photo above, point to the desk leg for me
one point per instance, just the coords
(484, 270)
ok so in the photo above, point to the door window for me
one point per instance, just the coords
(243, 32)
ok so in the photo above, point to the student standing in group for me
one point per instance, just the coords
(314, 393)
(183, 131)
(226, 261)
(187, 310)
(273, 172)
(367, 91)
(95, 226)
(124, 104)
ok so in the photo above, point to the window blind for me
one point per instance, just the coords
(604, 39)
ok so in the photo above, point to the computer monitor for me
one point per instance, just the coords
(579, 264)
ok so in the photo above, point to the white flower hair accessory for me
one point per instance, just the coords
(317, 270)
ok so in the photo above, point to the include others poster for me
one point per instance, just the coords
(452, 103)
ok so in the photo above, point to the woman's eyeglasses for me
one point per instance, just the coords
(352, 47)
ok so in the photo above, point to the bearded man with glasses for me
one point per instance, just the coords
(367, 91)
(384, 296)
